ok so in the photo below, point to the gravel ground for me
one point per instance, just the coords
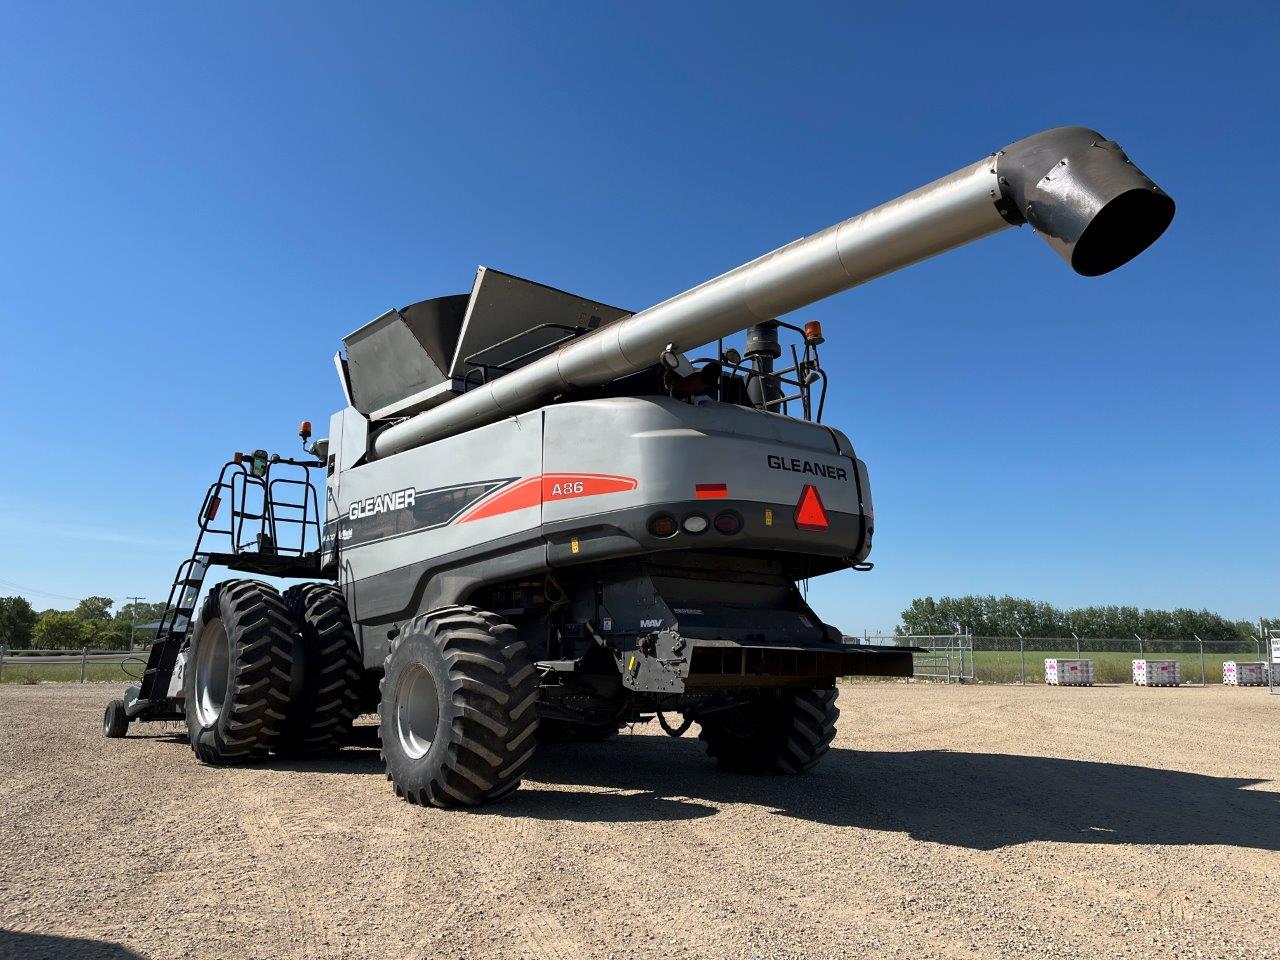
(946, 822)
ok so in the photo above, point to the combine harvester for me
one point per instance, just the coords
(548, 517)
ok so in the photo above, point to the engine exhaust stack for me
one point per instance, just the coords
(1076, 188)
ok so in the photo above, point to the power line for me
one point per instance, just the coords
(44, 593)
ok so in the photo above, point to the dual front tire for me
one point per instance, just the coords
(270, 673)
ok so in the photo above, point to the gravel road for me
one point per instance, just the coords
(946, 822)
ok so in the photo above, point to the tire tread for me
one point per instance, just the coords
(492, 685)
(320, 720)
(792, 732)
(259, 631)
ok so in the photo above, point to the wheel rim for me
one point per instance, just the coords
(417, 706)
(213, 662)
(106, 720)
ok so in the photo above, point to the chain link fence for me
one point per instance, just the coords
(965, 657)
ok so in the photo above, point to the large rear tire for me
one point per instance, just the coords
(326, 698)
(459, 708)
(236, 680)
(782, 731)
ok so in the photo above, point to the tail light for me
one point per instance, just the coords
(663, 525)
(729, 522)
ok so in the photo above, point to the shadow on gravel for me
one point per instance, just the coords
(39, 946)
(361, 756)
(349, 760)
(978, 800)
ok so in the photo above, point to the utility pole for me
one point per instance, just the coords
(133, 625)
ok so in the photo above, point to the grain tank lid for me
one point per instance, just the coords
(418, 357)
(396, 364)
(503, 306)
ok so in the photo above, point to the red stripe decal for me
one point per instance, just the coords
(533, 491)
(711, 491)
(524, 494)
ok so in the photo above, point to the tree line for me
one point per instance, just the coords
(90, 624)
(1009, 616)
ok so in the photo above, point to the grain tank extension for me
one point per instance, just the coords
(543, 517)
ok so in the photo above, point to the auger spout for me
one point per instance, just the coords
(1075, 187)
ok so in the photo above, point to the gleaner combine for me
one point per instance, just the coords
(548, 517)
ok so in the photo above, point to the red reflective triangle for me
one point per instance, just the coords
(810, 513)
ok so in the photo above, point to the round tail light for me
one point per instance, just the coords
(729, 522)
(663, 525)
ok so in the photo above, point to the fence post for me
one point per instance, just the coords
(1077, 644)
(1204, 681)
(84, 663)
(1140, 652)
(1, 662)
(1022, 660)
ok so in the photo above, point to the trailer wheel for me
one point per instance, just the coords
(236, 682)
(326, 697)
(115, 722)
(459, 708)
(783, 731)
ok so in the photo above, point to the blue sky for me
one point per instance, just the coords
(198, 201)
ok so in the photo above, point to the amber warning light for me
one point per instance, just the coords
(810, 513)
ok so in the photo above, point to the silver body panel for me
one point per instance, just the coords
(565, 484)
(670, 448)
(465, 461)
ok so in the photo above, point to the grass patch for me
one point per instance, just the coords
(31, 670)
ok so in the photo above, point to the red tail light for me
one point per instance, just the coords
(728, 522)
(810, 513)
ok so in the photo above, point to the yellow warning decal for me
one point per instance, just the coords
(768, 516)
(573, 544)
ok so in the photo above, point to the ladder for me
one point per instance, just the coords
(272, 527)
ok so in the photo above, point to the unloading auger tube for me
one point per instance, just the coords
(1075, 187)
